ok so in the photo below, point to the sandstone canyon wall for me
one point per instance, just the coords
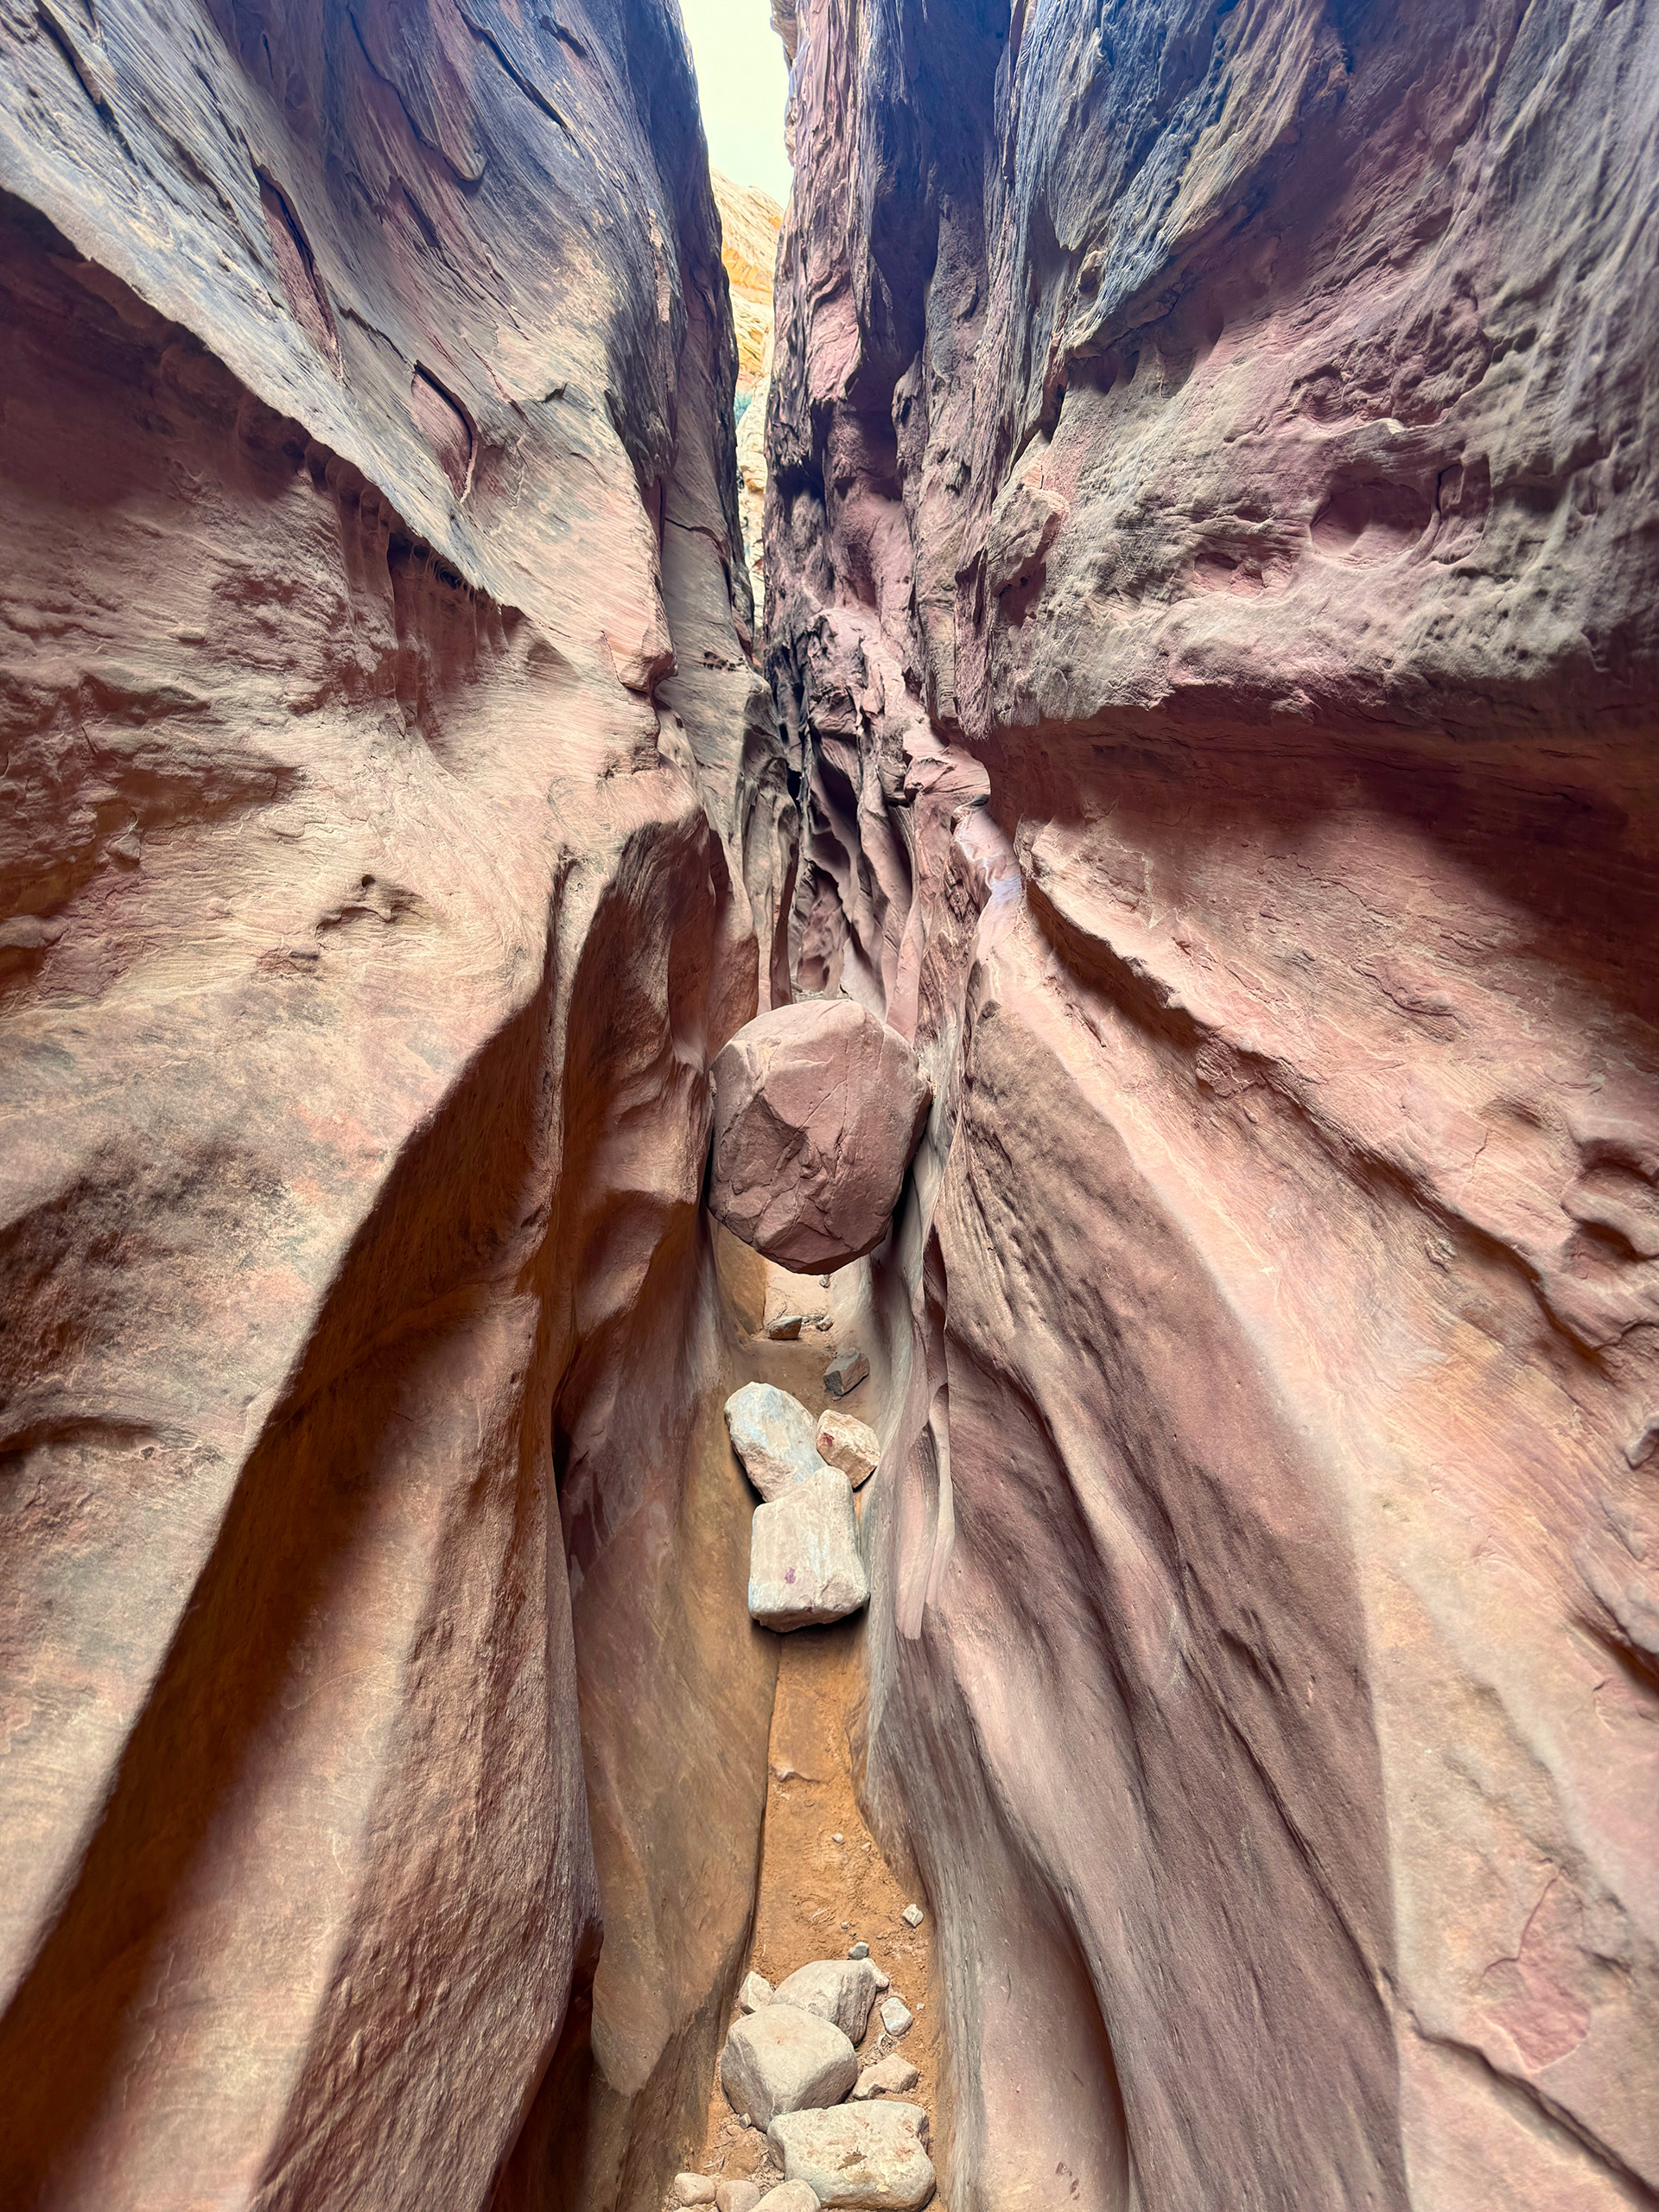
(1211, 562)
(394, 826)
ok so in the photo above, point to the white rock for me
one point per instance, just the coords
(773, 1436)
(896, 2016)
(868, 2154)
(789, 2196)
(782, 2060)
(846, 1442)
(888, 2077)
(694, 2189)
(881, 1981)
(737, 2196)
(912, 1916)
(842, 1990)
(755, 1992)
(803, 1559)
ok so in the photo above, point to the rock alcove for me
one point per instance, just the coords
(1082, 1081)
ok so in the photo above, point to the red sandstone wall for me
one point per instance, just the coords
(393, 826)
(1211, 582)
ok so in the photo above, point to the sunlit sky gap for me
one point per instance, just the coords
(743, 81)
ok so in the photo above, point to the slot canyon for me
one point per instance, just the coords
(830, 1110)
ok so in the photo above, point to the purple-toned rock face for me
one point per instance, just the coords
(1212, 580)
(817, 1109)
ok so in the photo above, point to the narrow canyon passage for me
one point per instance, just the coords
(1039, 756)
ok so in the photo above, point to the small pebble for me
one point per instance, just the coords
(881, 1981)
(859, 1951)
(912, 1916)
(896, 2016)
(837, 1837)
(755, 1992)
(694, 2189)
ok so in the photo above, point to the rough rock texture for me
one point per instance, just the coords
(372, 896)
(805, 1567)
(1211, 582)
(817, 1109)
(774, 1437)
(782, 2059)
(842, 1990)
(852, 1445)
(894, 2076)
(872, 2157)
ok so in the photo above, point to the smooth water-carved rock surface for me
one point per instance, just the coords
(1212, 583)
(392, 828)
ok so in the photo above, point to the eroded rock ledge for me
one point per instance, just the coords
(1212, 590)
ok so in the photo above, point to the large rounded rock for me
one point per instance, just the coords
(842, 1990)
(872, 2157)
(817, 1109)
(782, 2060)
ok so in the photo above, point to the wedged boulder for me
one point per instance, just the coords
(781, 2060)
(844, 1442)
(842, 1990)
(805, 1567)
(817, 1109)
(773, 1436)
(871, 2155)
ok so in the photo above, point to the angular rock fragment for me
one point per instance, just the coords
(846, 1442)
(871, 2155)
(773, 1436)
(782, 2060)
(804, 1566)
(842, 1990)
(755, 1992)
(888, 2077)
(785, 1329)
(912, 1916)
(897, 2016)
(845, 1372)
(817, 1109)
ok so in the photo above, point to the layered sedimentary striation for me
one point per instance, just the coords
(393, 827)
(1210, 578)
